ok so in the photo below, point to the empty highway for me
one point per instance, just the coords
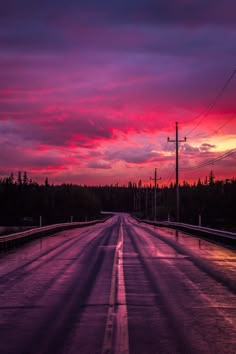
(118, 287)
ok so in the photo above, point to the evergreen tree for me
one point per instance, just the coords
(19, 179)
(211, 178)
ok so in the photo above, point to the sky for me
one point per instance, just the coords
(91, 90)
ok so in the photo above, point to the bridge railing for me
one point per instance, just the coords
(209, 233)
(14, 238)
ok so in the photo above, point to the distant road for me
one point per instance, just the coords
(118, 287)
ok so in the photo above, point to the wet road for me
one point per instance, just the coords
(118, 287)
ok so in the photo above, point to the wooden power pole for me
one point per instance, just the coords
(155, 179)
(177, 141)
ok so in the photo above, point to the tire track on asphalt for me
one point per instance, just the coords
(14, 275)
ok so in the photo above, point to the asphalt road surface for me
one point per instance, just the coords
(118, 287)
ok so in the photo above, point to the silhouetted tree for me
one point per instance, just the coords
(211, 178)
(19, 179)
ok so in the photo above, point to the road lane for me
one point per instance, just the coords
(118, 287)
(179, 298)
(54, 297)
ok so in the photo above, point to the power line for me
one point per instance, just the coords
(170, 178)
(216, 130)
(210, 162)
(212, 104)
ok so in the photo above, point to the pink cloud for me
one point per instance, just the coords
(84, 93)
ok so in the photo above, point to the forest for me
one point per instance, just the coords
(23, 201)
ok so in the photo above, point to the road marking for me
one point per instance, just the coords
(116, 339)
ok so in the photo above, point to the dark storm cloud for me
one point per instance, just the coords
(141, 25)
(34, 35)
(187, 12)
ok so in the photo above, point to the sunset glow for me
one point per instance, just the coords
(90, 91)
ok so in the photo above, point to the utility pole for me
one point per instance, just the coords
(146, 203)
(135, 201)
(139, 195)
(155, 179)
(177, 141)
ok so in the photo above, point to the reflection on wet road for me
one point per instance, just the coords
(187, 284)
(89, 290)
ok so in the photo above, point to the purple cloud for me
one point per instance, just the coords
(99, 165)
(81, 81)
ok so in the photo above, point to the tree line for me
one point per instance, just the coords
(23, 201)
(213, 200)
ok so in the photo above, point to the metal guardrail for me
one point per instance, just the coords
(10, 239)
(206, 230)
(209, 233)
